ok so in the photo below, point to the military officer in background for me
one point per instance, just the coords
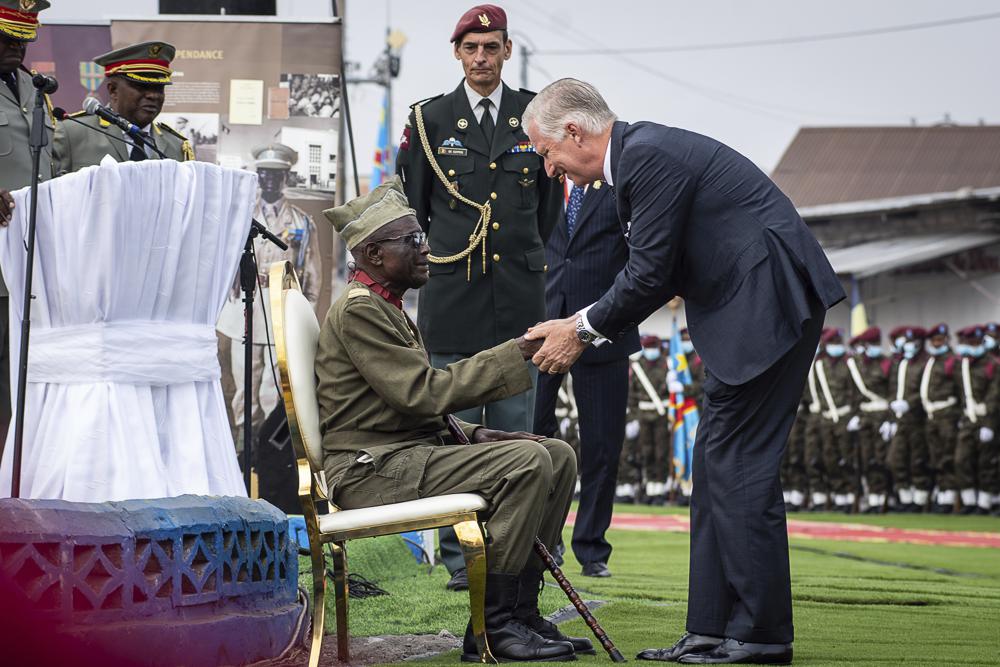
(816, 481)
(482, 195)
(939, 398)
(388, 435)
(292, 225)
(837, 396)
(908, 456)
(136, 79)
(649, 401)
(794, 483)
(18, 26)
(976, 455)
(869, 369)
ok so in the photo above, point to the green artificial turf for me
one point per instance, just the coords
(855, 603)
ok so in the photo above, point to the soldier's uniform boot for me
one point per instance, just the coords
(529, 587)
(510, 639)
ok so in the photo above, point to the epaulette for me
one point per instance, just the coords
(163, 126)
(425, 101)
(358, 291)
(76, 114)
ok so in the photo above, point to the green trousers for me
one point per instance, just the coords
(528, 486)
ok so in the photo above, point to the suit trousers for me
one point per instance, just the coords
(739, 584)
(601, 392)
(511, 414)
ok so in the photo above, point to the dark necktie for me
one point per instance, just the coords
(11, 80)
(486, 122)
(573, 207)
(138, 153)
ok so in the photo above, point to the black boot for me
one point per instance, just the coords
(511, 640)
(529, 586)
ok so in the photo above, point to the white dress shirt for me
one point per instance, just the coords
(475, 98)
(583, 313)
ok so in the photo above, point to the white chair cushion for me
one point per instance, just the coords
(413, 510)
(301, 341)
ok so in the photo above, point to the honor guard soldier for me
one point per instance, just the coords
(389, 435)
(812, 445)
(292, 225)
(837, 396)
(977, 453)
(870, 372)
(18, 26)
(939, 397)
(649, 402)
(908, 456)
(136, 79)
(481, 194)
(794, 482)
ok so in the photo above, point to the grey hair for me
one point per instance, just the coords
(568, 101)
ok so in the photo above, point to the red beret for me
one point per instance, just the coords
(831, 333)
(649, 341)
(971, 331)
(991, 327)
(907, 331)
(481, 18)
(938, 330)
(869, 335)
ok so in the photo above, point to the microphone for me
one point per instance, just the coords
(93, 106)
(46, 84)
(60, 114)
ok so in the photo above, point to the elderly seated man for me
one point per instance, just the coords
(388, 435)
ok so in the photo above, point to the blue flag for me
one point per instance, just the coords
(684, 411)
(382, 167)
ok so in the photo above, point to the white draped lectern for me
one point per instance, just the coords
(133, 263)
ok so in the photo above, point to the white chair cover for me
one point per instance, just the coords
(133, 263)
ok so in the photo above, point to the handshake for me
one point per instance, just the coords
(553, 346)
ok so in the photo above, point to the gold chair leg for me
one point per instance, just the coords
(470, 536)
(319, 597)
(340, 593)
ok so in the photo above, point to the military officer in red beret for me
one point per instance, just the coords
(869, 369)
(977, 453)
(837, 399)
(939, 396)
(908, 456)
(482, 196)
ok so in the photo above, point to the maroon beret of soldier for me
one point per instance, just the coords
(908, 331)
(649, 341)
(869, 335)
(972, 331)
(830, 334)
(481, 18)
(940, 329)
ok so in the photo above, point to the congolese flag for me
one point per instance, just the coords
(684, 413)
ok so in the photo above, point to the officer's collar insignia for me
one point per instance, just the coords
(483, 18)
(462, 123)
(27, 5)
(514, 122)
(154, 50)
(452, 142)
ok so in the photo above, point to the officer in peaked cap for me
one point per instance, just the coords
(295, 227)
(470, 171)
(18, 26)
(137, 77)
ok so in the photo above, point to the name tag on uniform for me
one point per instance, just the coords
(454, 147)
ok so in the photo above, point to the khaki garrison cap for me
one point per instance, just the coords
(274, 156)
(359, 218)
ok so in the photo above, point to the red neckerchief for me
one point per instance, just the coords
(365, 279)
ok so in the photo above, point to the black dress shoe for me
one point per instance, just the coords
(732, 651)
(688, 643)
(596, 569)
(459, 581)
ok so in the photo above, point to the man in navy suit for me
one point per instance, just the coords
(584, 254)
(706, 224)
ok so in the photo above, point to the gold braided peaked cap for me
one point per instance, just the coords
(359, 218)
(19, 18)
(148, 62)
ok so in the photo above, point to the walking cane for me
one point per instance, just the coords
(581, 607)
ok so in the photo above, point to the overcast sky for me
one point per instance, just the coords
(752, 98)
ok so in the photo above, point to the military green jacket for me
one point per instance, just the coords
(15, 130)
(841, 386)
(76, 146)
(463, 311)
(378, 392)
(640, 405)
(874, 374)
(904, 383)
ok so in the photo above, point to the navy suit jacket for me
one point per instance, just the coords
(582, 268)
(706, 224)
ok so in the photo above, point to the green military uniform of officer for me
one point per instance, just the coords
(18, 26)
(908, 456)
(977, 451)
(837, 396)
(136, 77)
(812, 446)
(939, 397)
(870, 373)
(794, 482)
(388, 435)
(648, 401)
(481, 193)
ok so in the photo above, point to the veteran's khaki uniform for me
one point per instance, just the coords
(385, 439)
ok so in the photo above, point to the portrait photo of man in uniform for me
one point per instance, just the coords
(469, 169)
(295, 227)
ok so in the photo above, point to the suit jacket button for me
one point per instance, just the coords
(496, 258)
(493, 165)
(545, 268)
(496, 226)
(524, 171)
(451, 172)
(493, 195)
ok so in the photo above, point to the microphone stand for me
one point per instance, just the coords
(36, 141)
(248, 284)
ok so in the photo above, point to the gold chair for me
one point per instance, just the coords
(296, 336)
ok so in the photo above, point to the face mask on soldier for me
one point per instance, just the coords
(989, 342)
(938, 350)
(910, 349)
(873, 351)
(835, 350)
(687, 346)
(651, 353)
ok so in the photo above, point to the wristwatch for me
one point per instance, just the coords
(581, 332)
